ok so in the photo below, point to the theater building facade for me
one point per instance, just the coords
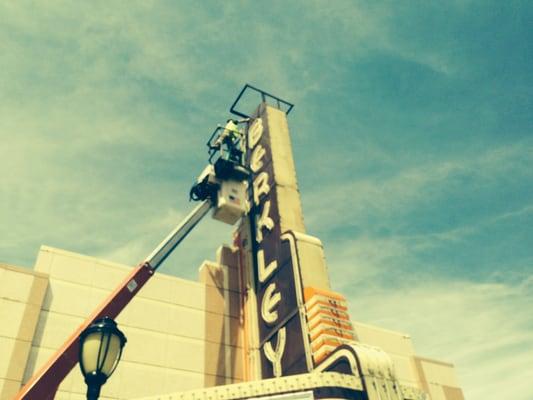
(261, 322)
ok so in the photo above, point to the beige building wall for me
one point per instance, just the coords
(436, 378)
(21, 295)
(182, 335)
(171, 326)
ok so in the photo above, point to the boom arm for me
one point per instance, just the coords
(44, 384)
(177, 235)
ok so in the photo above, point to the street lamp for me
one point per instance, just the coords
(100, 350)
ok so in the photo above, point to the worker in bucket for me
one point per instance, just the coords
(232, 138)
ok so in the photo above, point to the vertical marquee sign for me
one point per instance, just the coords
(283, 342)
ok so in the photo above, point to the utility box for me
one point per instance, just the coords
(232, 201)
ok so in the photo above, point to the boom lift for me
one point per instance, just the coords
(222, 186)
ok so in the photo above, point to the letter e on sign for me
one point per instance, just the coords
(257, 155)
(270, 301)
(261, 186)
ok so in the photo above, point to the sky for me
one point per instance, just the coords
(411, 132)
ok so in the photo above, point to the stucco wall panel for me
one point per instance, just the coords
(436, 392)
(108, 276)
(21, 295)
(176, 379)
(145, 346)
(134, 379)
(438, 372)
(453, 393)
(280, 143)
(390, 341)
(43, 263)
(14, 355)
(228, 256)
(36, 358)
(187, 322)
(290, 209)
(312, 261)
(222, 301)
(219, 276)
(188, 294)
(29, 323)
(80, 272)
(223, 360)
(53, 329)
(68, 298)
(8, 388)
(16, 285)
(161, 289)
(405, 369)
(220, 329)
(11, 317)
(147, 314)
(185, 354)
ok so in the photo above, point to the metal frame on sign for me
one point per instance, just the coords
(264, 96)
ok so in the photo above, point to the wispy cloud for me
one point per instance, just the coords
(200, 245)
(409, 187)
(484, 329)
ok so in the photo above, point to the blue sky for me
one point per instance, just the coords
(411, 133)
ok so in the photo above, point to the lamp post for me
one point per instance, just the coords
(100, 351)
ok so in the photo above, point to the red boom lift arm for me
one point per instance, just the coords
(43, 385)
